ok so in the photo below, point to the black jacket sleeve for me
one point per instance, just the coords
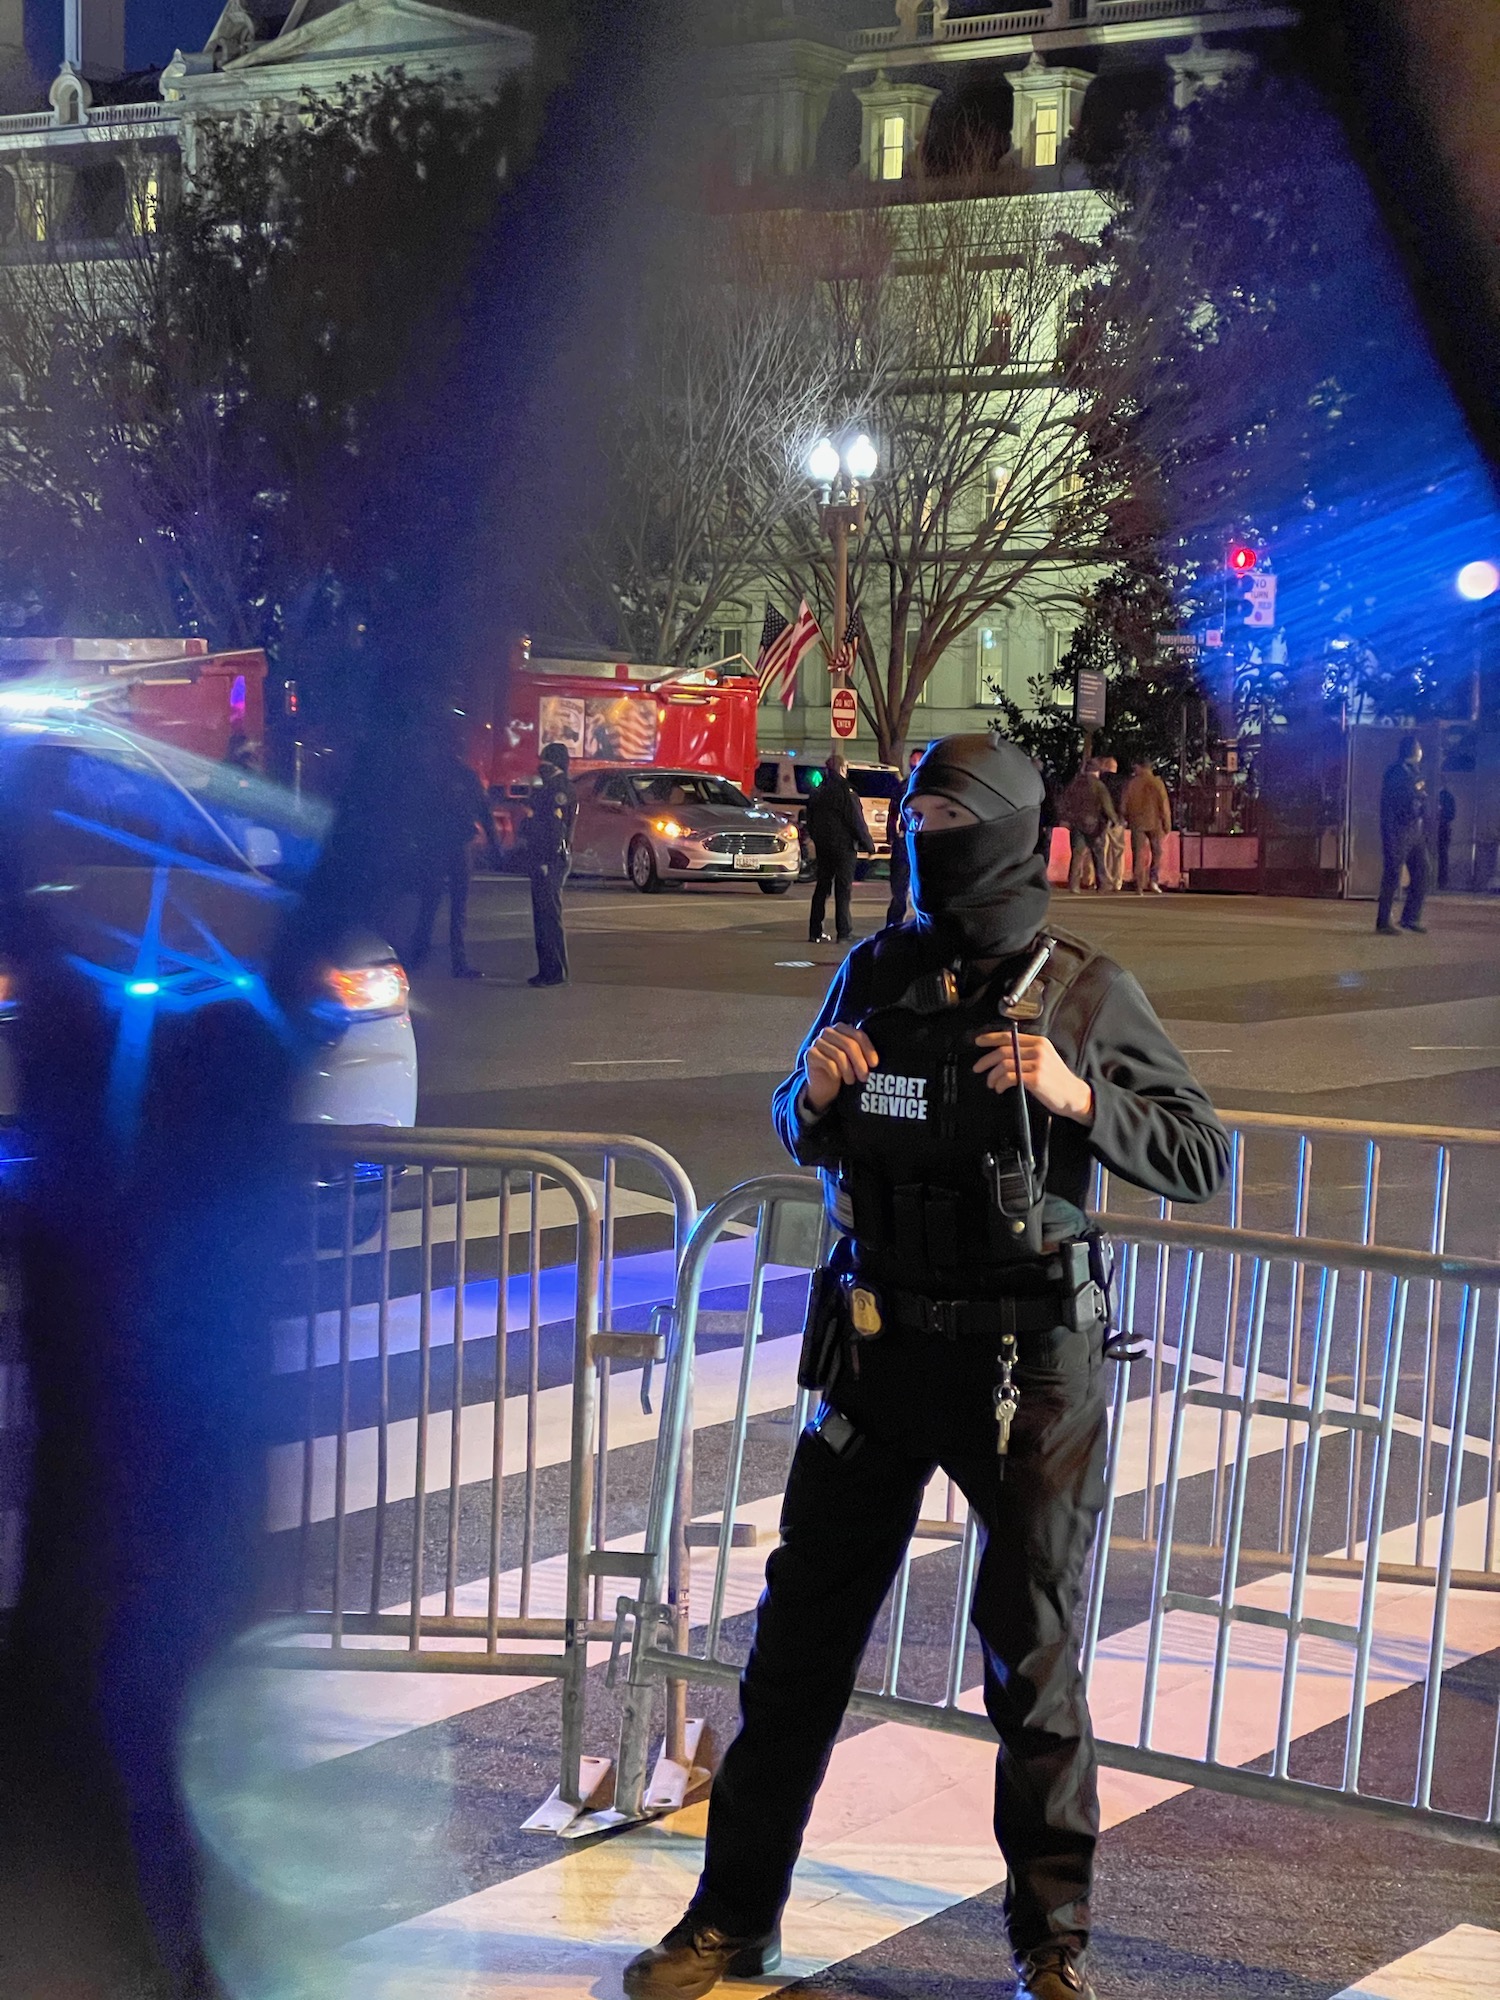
(858, 824)
(1400, 804)
(1153, 1123)
(814, 1145)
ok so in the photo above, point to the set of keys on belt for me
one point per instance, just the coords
(1007, 1395)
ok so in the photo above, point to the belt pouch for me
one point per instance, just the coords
(823, 1332)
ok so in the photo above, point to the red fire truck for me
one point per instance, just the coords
(175, 690)
(610, 713)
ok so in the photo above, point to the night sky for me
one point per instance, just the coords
(153, 29)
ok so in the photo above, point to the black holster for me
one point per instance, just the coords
(823, 1331)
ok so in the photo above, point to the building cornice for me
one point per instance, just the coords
(986, 37)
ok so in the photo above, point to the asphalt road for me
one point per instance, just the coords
(685, 1008)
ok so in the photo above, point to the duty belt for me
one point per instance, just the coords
(980, 1319)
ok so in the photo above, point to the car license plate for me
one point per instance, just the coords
(749, 861)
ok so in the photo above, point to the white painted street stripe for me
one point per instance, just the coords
(901, 1831)
(1463, 1964)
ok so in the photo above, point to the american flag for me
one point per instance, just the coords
(847, 657)
(781, 648)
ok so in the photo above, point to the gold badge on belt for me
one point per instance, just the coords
(864, 1312)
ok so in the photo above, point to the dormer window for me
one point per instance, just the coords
(892, 160)
(1046, 135)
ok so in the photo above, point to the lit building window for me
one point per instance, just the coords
(999, 479)
(147, 203)
(892, 158)
(1045, 137)
(991, 667)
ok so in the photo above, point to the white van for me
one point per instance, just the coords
(787, 782)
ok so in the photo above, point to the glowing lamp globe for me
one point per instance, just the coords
(1478, 580)
(862, 458)
(823, 461)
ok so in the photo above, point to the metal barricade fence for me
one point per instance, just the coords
(1316, 1528)
(415, 1513)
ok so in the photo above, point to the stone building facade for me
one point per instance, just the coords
(804, 93)
(94, 160)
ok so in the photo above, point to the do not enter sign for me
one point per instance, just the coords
(844, 714)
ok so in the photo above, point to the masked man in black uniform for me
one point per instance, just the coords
(960, 1324)
(547, 837)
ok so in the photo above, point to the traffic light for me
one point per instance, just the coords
(1257, 586)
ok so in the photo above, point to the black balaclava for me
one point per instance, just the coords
(983, 888)
(555, 754)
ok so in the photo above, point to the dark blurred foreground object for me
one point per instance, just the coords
(1416, 84)
(144, 1238)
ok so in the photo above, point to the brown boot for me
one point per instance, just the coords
(1053, 1972)
(693, 1957)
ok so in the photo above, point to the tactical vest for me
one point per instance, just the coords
(929, 1153)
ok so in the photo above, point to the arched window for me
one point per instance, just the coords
(98, 203)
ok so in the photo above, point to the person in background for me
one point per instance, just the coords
(547, 837)
(1148, 814)
(1403, 838)
(456, 808)
(1049, 814)
(837, 829)
(1447, 814)
(900, 902)
(1114, 834)
(1087, 809)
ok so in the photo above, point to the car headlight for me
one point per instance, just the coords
(789, 836)
(669, 829)
(364, 991)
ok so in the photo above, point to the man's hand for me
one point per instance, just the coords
(840, 1055)
(1044, 1074)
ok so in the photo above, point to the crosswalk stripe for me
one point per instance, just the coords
(1463, 1964)
(900, 1831)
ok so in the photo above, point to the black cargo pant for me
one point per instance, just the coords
(835, 872)
(920, 1404)
(548, 874)
(1408, 851)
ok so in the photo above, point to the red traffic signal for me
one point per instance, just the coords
(1241, 559)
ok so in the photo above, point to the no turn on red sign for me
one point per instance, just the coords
(843, 714)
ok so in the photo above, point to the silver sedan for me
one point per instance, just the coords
(653, 826)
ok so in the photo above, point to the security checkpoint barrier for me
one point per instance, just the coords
(399, 1525)
(513, 1187)
(1277, 1407)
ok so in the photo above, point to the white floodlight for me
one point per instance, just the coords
(1478, 580)
(823, 461)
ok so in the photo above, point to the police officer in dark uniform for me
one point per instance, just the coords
(961, 1324)
(898, 909)
(547, 835)
(1403, 838)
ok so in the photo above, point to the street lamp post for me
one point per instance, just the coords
(842, 513)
